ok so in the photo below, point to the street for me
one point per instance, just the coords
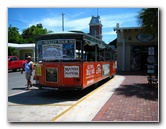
(16, 82)
(37, 105)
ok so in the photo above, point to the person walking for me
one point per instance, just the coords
(28, 67)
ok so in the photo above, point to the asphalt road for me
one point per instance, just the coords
(16, 82)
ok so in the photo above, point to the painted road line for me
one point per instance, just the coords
(80, 100)
(39, 104)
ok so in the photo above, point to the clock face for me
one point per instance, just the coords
(145, 37)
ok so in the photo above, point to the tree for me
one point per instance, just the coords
(13, 34)
(12, 51)
(148, 19)
(29, 35)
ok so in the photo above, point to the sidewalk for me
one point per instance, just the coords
(132, 101)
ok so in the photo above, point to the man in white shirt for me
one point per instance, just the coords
(28, 67)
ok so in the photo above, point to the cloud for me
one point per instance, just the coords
(110, 21)
(76, 15)
(74, 22)
(109, 33)
(48, 22)
(78, 24)
(55, 24)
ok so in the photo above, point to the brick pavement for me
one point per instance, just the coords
(132, 101)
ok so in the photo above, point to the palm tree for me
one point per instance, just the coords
(148, 19)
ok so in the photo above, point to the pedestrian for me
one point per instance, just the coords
(28, 67)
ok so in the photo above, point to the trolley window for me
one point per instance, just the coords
(72, 46)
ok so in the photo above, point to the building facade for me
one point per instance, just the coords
(133, 48)
(24, 50)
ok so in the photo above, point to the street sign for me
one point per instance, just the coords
(150, 71)
(150, 66)
(151, 59)
(151, 50)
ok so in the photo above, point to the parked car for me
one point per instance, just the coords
(14, 63)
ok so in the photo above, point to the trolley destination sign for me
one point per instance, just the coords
(57, 41)
(56, 49)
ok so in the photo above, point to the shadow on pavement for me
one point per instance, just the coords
(22, 88)
(139, 90)
(36, 96)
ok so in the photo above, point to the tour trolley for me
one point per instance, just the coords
(72, 61)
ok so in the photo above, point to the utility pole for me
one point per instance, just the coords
(63, 21)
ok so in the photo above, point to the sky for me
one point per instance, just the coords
(74, 19)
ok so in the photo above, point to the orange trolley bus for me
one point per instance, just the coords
(72, 61)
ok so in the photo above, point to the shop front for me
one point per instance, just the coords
(133, 48)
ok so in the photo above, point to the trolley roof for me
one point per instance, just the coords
(88, 39)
